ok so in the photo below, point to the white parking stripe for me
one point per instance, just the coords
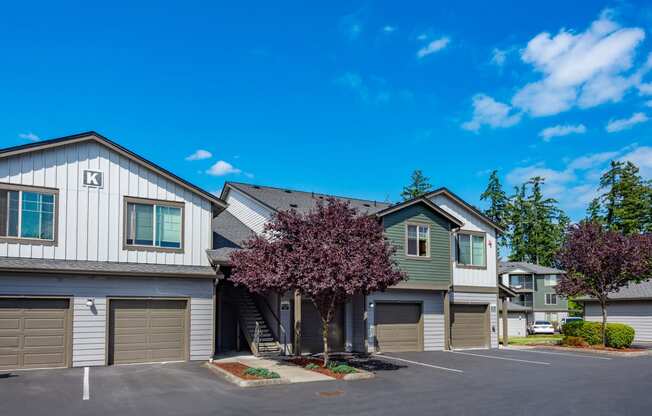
(501, 358)
(559, 353)
(453, 370)
(86, 394)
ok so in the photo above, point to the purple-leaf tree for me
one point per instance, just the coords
(599, 262)
(328, 254)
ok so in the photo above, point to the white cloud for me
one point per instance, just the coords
(422, 36)
(580, 69)
(29, 136)
(577, 182)
(641, 157)
(488, 111)
(222, 168)
(499, 56)
(626, 123)
(561, 130)
(434, 46)
(648, 103)
(389, 29)
(200, 154)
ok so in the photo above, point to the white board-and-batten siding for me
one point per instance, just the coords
(90, 324)
(90, 220)
(637, 314)
(432, 309)
(485, 277)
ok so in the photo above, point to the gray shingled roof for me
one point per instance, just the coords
(16, 264)
(509, 266)
(630, 292)
(228, 235)
(515, 307)
(284, 199)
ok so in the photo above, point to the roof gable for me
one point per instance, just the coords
(421, 201)
(471, 208)
(98, 138)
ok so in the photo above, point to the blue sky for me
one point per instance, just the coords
(344, 97)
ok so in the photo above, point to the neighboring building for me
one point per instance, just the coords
(536, 297)
(447, 248)
(631, 305)
(102, 258)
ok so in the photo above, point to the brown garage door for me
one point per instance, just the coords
(34, 333)
(311, 337)
(469, 326)
(144, 331)
(399, 327)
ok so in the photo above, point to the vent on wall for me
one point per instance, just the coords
(293, 205)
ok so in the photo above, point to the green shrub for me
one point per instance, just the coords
(571, 341)
(572, 328)
(342, 369)
(312, 366)
(591, 332)
(619, 335)
(261, 373)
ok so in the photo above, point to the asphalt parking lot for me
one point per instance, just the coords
(475, 382)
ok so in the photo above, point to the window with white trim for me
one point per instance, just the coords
(154, 225)
(550, 280)
(27, 214)
(471, 250)
(418, 240)
(551, 298)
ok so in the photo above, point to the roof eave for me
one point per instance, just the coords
(420, 200)
(474, 210)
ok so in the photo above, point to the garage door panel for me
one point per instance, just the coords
(10, 341)
(147, 331)
(398, 327)
(34, 333)
(469, 326)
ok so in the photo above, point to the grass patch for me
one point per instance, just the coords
(536, 340)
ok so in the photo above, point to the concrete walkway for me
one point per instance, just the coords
(292, 373)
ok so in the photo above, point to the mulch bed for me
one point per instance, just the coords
(237, 369)
(304, 361)
(587, 348)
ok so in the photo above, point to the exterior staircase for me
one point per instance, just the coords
(260, 338)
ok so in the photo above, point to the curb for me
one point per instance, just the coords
(584, 350)
(245, 383)
(360, 375)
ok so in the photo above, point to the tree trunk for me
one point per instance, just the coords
(324, 333)
(603, 305)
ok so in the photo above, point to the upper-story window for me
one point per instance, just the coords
(471, 250)
(27, 213)
(550, 280)
(153, 225)
(551, 298)
(418, 240)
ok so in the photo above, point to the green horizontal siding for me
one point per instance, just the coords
(539, 298)
(437, 268)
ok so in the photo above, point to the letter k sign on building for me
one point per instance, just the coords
(93, 178)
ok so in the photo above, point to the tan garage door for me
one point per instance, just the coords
(398, 327)
(311, 326)
(144, 331)
(34, 333)
(469, 326)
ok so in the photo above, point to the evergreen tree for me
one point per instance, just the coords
(517, 235)
(420, 185)
(498, 204)
(594, 211)
(626, 200)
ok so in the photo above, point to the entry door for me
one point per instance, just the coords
(34, 333)
(311, 328)
(146, 330)
(469, 326)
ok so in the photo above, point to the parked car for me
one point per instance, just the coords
(541, 327)
(564, 321)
